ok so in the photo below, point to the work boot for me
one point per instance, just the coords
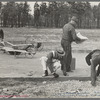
(55, 75)
(45, 73)
(65, 74)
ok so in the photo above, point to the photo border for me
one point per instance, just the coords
(49, 98)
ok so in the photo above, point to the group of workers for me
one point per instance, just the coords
(64, 55)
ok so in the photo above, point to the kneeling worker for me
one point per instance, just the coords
(93, 59)
(49, 61)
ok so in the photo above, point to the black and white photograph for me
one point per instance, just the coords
(50, 49)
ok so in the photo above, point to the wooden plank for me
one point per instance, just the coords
(8, 43)
(8, 49)
(23, 45)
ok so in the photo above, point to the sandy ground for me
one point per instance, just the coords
(11, 66)
(22, 66)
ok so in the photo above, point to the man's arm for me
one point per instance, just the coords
(87, 58)
(74, 36)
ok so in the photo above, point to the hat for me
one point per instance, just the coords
(61, 52)
(74, 18)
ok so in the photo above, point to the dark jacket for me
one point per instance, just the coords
(92, 54)
(69, 33)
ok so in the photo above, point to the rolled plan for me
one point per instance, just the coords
(82, 38)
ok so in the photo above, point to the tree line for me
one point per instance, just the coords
(49, 14)
(14, 14)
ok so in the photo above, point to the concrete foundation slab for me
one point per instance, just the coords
(22, 67)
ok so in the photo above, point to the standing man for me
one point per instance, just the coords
(68, 36)
(1, 35)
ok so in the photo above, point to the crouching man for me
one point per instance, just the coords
(52, 61)
(93, 59)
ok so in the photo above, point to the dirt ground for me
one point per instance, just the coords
(22, 67)
(11, 66)
(49, 89)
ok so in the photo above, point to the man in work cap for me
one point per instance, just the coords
(75, 19)
(68, 36)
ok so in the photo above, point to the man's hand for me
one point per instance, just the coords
(56, 65)
(81, 38)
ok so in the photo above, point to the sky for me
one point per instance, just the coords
(94, 3)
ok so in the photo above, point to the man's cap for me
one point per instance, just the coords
(74, 18)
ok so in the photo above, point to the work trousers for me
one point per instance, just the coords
(66, 62)
(50, 66)
(46, 63)
(53, 66)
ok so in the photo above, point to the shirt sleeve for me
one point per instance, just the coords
(74, 36)
(87, 58)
